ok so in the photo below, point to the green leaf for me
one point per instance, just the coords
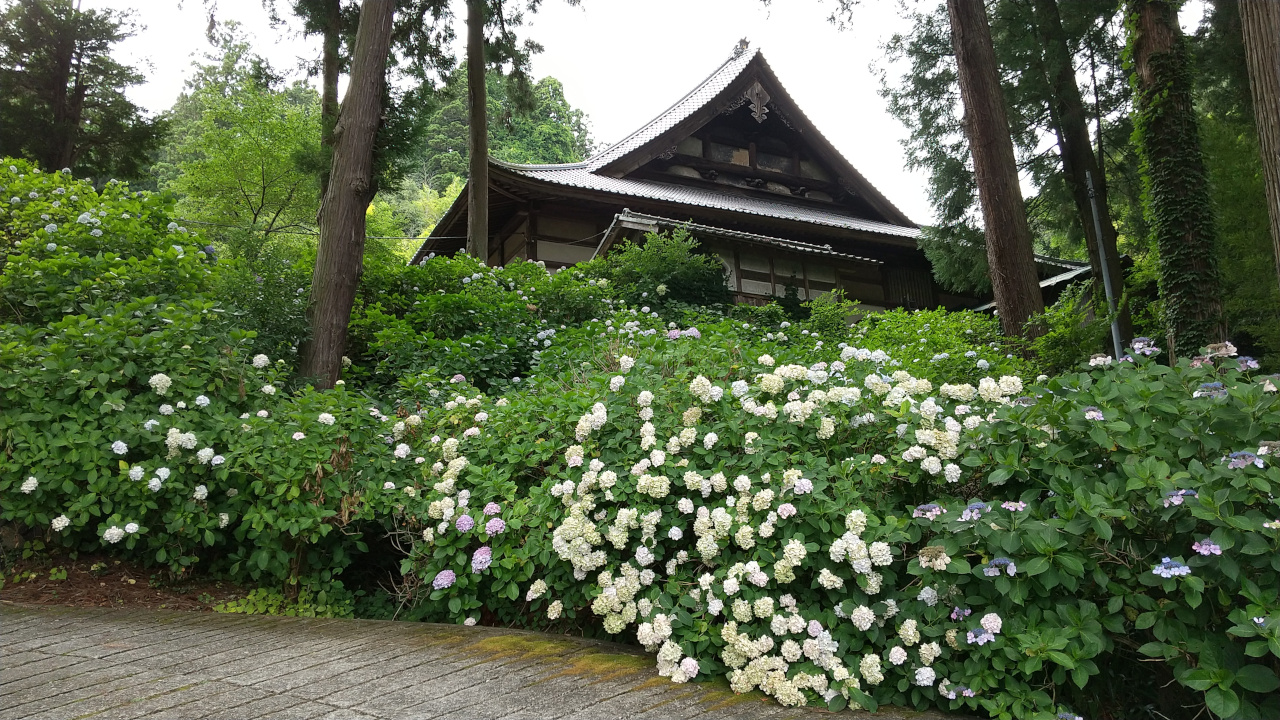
(1145, 620)
(1257, 678)
(1035, 566)
(1222, 702)
(1198, 679)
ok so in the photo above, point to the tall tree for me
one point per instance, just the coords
(352, 185)
(1174, 176)
(478, 134)
(1009, 254)
(1260, 23)
(63, 101)
(1070, 123)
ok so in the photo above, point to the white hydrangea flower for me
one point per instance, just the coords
(925, 676)
(554, 610)
(131, 528)
(224, 519)
(268, 390)
(766, 360)
(118, 447)
(325, 419)
(200, 493)
(261, 361)
(160, 383)
(154, 484)
(113, 534)
(616, 382)
(30, 484)
(136, 472)
(205, 455)
(60, 523)
(202, 401)
(897, 655)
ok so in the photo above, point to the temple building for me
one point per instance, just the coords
(738, 164)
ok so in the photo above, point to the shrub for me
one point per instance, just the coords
(665, 268)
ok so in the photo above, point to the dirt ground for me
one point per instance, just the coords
(99, 581)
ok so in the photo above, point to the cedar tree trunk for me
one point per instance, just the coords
(1076, 151)
(986, 124)
(330, 67)
(1176, 186)
(1260, 20)
(351, 188)
(478, 135)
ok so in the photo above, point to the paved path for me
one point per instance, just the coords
(105, 664)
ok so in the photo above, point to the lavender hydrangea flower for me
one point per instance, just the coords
(464, 523)
(974, 511)
(1170, 568)
(1242, 459)
(444, 579)
(481, 559)
(691, 332)
(929, 511)
(1175, 497)
(673, 335)
(981, 637)
(1207, 547)
(958, 613)
(1247, 363)
(1145, 346)
(492, 508)
(495, 526)
(1093, 413)
(1014, 506)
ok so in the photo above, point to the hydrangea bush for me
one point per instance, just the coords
(848, 519)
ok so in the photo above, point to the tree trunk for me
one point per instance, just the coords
(1009, 254)
(351, 188)
(1076, 152)
(1176, 186)
(1260, 20)
(478, 135)
(331, 63)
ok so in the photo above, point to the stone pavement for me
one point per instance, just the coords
(106, 664)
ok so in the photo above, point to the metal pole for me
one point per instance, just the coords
(1106, 273)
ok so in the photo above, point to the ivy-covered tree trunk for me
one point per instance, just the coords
(1260, 23)
(351, 187)
(1174, 177)
(986, 124)
(478, 135)
(1076, 151)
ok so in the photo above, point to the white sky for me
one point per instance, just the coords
(623, 62)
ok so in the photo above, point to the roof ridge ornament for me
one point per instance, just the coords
(741, 47)
(759, 99)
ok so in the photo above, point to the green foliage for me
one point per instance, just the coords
(310, 602)
(64, 99)
(1072, 332)
(549, 131)
(664, 269)
(830, 315)
(242, 153)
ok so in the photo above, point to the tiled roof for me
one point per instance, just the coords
(698, 228)
(580, 176)
(685, 106)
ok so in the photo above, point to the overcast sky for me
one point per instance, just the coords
(623, 62)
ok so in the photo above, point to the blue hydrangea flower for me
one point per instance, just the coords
(1170, 568)
(974, 511)
(994, 567)
(1210, 390)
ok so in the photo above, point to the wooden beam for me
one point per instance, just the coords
(737, 269)
(773, 280)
